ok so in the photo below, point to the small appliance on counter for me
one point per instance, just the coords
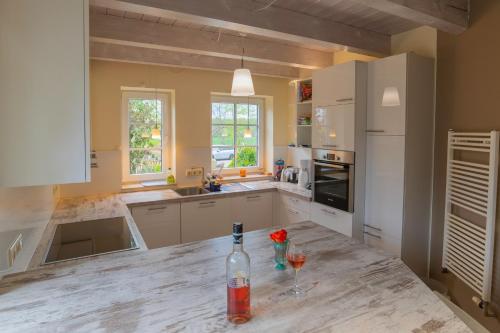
(290, 174)
(303, 178)
(279, 165)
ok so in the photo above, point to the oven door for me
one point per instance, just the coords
(333, 184)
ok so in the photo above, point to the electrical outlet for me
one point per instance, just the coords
(194, 172)
(14, 249)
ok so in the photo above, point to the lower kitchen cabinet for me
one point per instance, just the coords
(254, 210)
(206, 219)
(332, 218)
(292, 209)
(159, 224)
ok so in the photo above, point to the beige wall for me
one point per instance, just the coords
(422, 41)
(192, 110)
(468, 90)
(345, 56)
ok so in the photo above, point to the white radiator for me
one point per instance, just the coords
(471, 192)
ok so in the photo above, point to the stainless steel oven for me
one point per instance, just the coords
(333, 178)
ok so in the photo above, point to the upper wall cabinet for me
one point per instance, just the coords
(44, 119)
(334, 85)
(387, 96)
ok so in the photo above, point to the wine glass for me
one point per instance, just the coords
(296, 258)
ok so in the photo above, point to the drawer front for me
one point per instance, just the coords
(383, 241)
(289, 215)
(158, 224)
(254, 210)
(206, 219)
(332, 218)
(297, 204)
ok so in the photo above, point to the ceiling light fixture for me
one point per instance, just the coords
(391, 97)
(156, 132)
(242, 81)
(248, 132)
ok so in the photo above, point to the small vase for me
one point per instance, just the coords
(280, 255)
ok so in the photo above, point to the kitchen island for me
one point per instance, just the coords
(350, 288)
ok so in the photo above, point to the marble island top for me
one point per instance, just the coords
(351, 288)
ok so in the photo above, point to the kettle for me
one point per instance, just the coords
(303, 179)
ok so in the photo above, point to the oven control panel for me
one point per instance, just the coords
(339, 156)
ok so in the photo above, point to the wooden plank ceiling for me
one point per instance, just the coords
(285, 38)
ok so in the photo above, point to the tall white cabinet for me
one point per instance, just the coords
(339, 123)
(44, 119)
(399, 153)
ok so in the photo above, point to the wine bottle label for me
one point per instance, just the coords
(238, 282)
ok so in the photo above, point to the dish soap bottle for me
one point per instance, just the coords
(170, 177)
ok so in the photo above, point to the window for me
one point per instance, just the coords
(232, 118)
(144, 135)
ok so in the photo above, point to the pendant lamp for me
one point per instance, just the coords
(242, 81)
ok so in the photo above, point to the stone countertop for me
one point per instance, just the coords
(229, 189)
(108, 206)
(350, 288)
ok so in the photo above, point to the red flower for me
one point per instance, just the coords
(278, 236)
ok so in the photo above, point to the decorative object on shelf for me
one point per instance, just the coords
(305, 91)
(242, 80)
(243, 172)
(391, 97)
(170, 177)
(280, 243)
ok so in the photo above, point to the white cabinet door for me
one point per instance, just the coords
(44, 127)
(386, 73)
(289, 215)
(332, 218)
(206, 219)
(334, 85)
(159, 224)
(385, 184)
(333, 127)
(254, 210)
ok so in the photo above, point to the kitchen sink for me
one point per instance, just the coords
(186, 191)
(89, 238)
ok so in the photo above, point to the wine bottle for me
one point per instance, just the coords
(238, 279)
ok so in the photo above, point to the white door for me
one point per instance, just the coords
(384, 185)
(388, 74)
(254, 210)
(206, 219)
(44, 127)
(333, 127)
(334, 85)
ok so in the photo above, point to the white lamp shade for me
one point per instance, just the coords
(156, 134)
(242, 83)
(391, 97)
(247, 133)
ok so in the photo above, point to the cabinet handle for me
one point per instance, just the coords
(372, 235)
(205, 204)
(254, 197)
(372, 227)
(293, 211)
(157, 208)
(328, 212)
(345, 99)
(330, 146)
(294, 200)
(374, 131)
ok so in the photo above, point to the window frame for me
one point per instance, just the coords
(260, 128)
(163, 96)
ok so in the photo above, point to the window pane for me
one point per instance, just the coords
(240, 136)
(242, 114)
(224, 156)
(222, 135)
(145, 161)
(145, 115)
(222, 113)
(246, 157)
